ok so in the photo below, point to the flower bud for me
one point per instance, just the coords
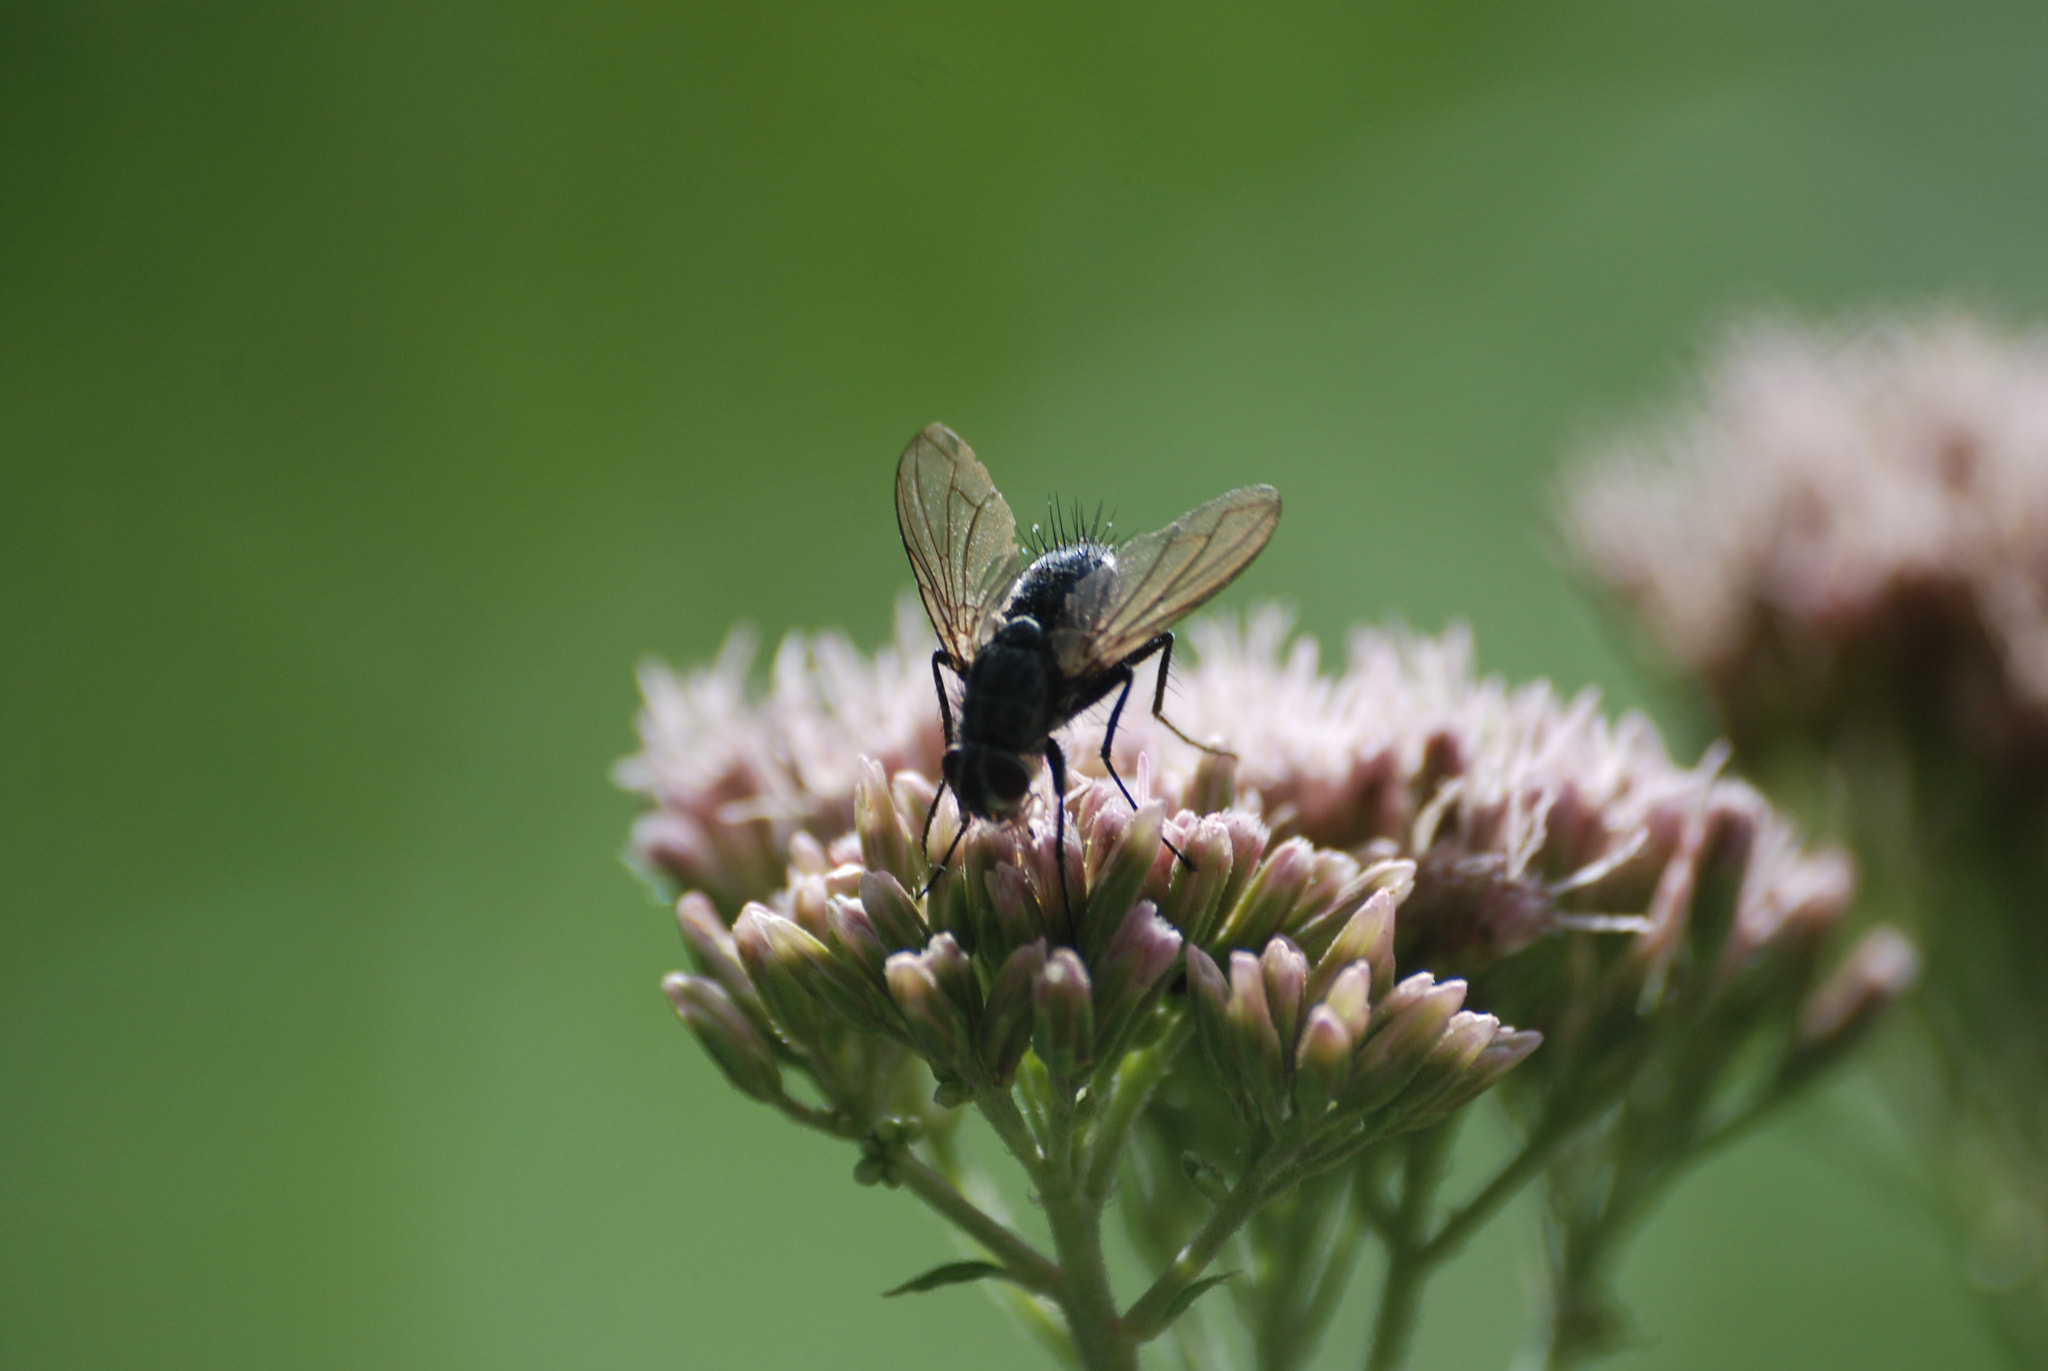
(1444, 1066)
(1009, 911)
(1336, 886)
(1122, 850)
(841, 985)
(1194, 890)
(1007, 1021)
(713, 953)
(1247, 838)
(1057, 905)
(851, 936)
(1134, 964)
(1880, 969)
(1395, 875)
(937, 1027)
(1405, 1026)
(955, 972)
(951, 903)
(1270, 897)
(809, 903)
(800, 1017)
(914, 795)
(807, 856)
(1322, 1062)
(1350, 999)
(1064, 1031)
(886, 842)
(1286, 977)
(727, 1035)
(1496, 1059)
(1368, 935)
(892, 912)
(1255, 1051)
(1213, 787)
(1208, 994)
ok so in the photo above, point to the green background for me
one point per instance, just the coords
(378, 383)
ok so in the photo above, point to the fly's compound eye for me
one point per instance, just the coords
(1007, 779)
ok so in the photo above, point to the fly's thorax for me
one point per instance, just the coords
(1045, 591)
(992, 783)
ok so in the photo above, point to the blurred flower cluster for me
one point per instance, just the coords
(1844, 543)
(1260, 1050)
(1845, 523)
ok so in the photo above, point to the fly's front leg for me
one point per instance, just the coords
(1163, 645)
(1056, 761)
(1116, 712)
(940, 659)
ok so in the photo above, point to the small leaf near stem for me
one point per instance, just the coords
(952, 1273)
(1190, 1295)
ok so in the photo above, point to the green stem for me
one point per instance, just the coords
(1075, 1217)
(999, 1107)
(1457, 1229)
(1025, 1264)
(1148, 1315)
(824, 1121)
(1408, 1260)
(1100, 1339)
(1136, 1079)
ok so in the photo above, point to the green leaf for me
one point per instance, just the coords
(1189, 1296)
(952, 1273)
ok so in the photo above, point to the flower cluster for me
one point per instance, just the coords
(1846, 547)
(1509, 846)
(1847, 517)
(1000, 958)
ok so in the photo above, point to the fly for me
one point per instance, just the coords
(1036, 643)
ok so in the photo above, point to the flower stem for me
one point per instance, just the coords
(1148, 1315)
(1075, 1217)
(1135, 1081)
(1409, 1259)
(1100, 1339)
(1025, 1264)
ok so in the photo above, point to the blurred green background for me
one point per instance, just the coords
(379, 383)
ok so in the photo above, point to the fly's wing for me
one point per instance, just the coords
(961, 538)
(1157, 579)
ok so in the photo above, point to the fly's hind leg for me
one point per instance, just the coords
(1163, 645)
(1125, 677)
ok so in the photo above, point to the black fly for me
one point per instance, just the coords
(1035, 644)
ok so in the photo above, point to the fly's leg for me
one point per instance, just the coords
(1056, 760)
(946, 860)
(1163, 645)
(1116, 712)
(940, 659)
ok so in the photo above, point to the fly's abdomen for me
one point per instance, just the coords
(1008, 703)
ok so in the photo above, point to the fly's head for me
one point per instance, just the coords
(992, 783)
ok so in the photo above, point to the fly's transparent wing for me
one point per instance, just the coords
(961, 538)
(1157, 579)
